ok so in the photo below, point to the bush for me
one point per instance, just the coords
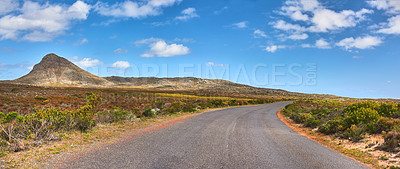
(233, 102)
(312, 122)
(159, 104)
(40, 98)
(356, 106)
(113, 116)
(392, 140)
(150, 113)
(9, 117)
(215, 103)
(361, 115)
(386, 124)
(43, 123)
(354, 133)
(181, 107)
(387, 109)
(332, 126)
(396, 114)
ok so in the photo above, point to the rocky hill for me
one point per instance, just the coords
(54, 70)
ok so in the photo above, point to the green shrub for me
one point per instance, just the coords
(40, 98)
(332, 126)
(387, 109)
(112, 116)
(159, 104)
(356, 106)
(233, 102)
(361, 115)
(181, 107)
(312, 122)
(396, 114)
(9, 117)
(354, 133)
(150, 113)
(215, 103)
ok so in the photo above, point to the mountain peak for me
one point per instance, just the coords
(56, 70)
(51, 56)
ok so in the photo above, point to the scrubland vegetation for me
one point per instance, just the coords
(32, 116)
(350, 120)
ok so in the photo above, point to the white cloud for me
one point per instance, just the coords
(393, 27)
(7, 6)
(216, 64)
(82, 41)
(86, 62)
(360, 42)
(120, 51)
(36, 22)
(295, 9)
(121, 65)
(133, 9)
(326, 19)
(274, 48)
(242, 24)
(187, 14)
(317, 16)
(146, 41)
(391, 6)
(322, 44)
(39, 36)
(282, 25)
(301, 36)
(160, 48)
(259, 33)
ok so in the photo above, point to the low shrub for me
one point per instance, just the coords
(149, 112)
(360, 115)
(113, 116)
(354, 133)
(43, 123)
(312, 122)
(392, 140)
(332, 126)
(386, 124)
(176, 107)
(40, 98)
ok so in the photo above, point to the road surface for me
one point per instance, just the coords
(242, 137)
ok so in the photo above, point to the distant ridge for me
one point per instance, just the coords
(57, 71)
(54, 70)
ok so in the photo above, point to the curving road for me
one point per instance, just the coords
(242, 137)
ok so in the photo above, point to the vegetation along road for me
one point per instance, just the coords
(242, 137)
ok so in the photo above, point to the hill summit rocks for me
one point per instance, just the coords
(54, 70)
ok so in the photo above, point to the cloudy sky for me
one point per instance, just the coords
(347, 48)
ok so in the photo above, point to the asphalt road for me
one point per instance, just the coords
(243, 137)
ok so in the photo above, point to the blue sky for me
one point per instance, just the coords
(347, 48)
